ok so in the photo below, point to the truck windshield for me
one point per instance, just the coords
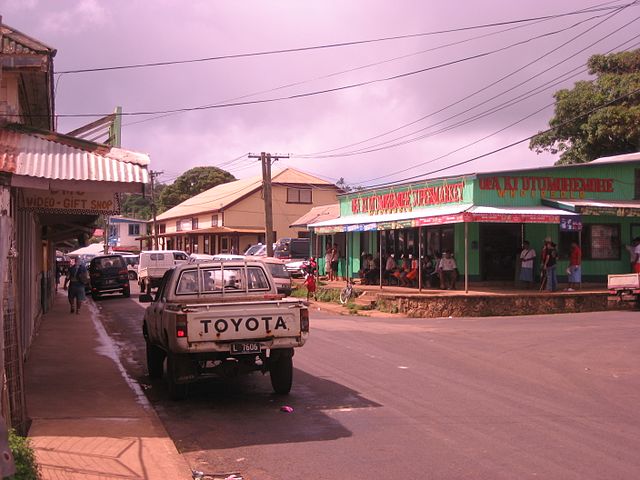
(213, 279)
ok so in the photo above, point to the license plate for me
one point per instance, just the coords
(245, 347)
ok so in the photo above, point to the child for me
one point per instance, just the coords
(310, 283)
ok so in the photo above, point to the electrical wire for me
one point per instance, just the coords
(372, 148)
(328, 90)
(512, 144)
(349, 70)
(333, 45)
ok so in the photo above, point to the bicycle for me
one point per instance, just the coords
(347, 292)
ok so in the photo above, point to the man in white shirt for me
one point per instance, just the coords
(447, 269)
(527, 256)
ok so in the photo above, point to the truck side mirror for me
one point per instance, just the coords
(145, 298)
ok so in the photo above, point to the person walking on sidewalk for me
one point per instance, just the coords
(74, 284)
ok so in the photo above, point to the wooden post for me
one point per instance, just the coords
(380, 249)
(466, 257)
(420, 258)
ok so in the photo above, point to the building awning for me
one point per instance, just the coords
(614, 208)
(442, 216)
(389, 221)
(49, 158)
(210, 230)
(321, 213)
(530, 214)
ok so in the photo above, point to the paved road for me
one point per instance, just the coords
(550, 397)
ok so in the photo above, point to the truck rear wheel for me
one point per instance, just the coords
(155, 360)
(177, 391)
(281, 373)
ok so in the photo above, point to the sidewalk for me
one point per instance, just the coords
(90, 421)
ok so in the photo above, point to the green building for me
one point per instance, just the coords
(483, 219)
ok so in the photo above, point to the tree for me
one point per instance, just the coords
(190, 183)
(133, 205)
(612, 130)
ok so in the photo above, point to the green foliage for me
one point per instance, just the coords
(133, 205)
(612, 130)
(24, 457)
(191, 183)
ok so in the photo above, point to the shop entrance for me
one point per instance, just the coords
(500, 245)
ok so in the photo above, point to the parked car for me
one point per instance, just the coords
(154, 264)
(132, 262)
(227, 257)
(108, 274)
(199, 258)
(292, 249)
(280, 274)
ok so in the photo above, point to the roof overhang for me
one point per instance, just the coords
(213, 230)
(614, 208)
(45, 160)
(442, 216)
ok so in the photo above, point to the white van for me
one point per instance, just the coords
(153, 265)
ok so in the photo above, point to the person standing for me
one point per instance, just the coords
(327, 261)
(527, 257)
(310, 283)
(335, 255)
(634, 255)
(447, 269)
(575, 267)
(550, 261)
(74, 284)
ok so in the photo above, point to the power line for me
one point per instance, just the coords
(328, 90)
(335, 45)
(350, 70)
(512, 144)
(372, 148)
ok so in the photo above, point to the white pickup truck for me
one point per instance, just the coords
(222, 318)
(624, 287)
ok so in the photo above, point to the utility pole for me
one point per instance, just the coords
(266, 159)
(153, 175)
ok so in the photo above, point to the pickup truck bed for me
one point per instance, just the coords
(222, 319)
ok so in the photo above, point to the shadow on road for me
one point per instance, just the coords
(244, 412)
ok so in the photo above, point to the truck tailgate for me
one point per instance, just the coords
(228, 322)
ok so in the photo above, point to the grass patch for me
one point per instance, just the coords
(24, 457)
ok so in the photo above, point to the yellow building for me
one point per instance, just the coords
(230, 217)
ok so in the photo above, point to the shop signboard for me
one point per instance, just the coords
(439, 220)
(370, 226)
(406, 199)
(328, 230)
(385, 226)
(610, 211)
(510, 218)
(570, 224)
(70, 202)
(355, 228)
(403, 224)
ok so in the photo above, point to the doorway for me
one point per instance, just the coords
(500, 245)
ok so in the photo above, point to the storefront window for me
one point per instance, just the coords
(603, 242)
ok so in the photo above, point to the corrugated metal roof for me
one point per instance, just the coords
(321, 213)
(221, 196)
(35, 153)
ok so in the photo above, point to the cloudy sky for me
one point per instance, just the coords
(414, 106)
